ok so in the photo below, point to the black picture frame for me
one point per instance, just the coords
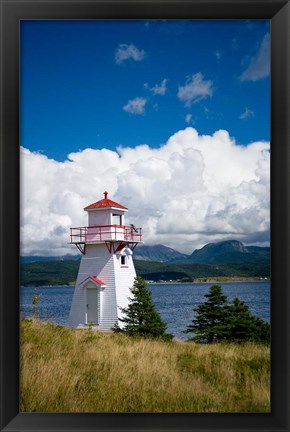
(278, 11)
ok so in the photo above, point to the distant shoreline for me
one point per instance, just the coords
(222, 280)
(239, 280)
(225, 280)
(197, 281)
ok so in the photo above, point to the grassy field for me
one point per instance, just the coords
(64, 370)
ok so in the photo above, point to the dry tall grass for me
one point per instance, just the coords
(64, 370)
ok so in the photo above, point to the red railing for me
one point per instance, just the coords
(103, 233)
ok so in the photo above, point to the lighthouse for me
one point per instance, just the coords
(106, 271)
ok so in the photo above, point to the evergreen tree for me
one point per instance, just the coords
(210, 322)
(216, 320)
(140, 317)
(244, 326)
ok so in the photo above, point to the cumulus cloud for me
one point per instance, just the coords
(125, 52)
(246, 114)
(158, 89)
(259, 66)
(190, 191)
(188, 118)
(135, 106)
(195, 89)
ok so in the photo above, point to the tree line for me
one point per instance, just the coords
(214, 321)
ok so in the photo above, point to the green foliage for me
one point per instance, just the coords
(141, 317)
(165, 271)
(65, 272)
(158, 271)
(35, 300)
(216, 321)
(243, 326)
(49, 273)
(210, 322)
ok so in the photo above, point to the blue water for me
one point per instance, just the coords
(174, 302)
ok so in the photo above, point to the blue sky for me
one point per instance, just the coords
(172, 118)
(104, 84)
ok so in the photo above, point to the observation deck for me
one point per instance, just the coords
(109, 234)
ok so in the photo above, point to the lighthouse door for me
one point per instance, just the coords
(92, 306)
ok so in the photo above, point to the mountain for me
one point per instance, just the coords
(228, 258)
(158, 253)
(65, 272)
(230, 251)
(225, 252)
(38, 258)
(260, 251)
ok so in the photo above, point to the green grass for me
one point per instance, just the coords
(65, 370)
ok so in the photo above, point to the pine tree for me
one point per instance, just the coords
(216, 320)
(140, 317)
(210, 322)
(244, 326)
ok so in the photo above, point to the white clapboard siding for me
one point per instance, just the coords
(125, 276)
(98, 261)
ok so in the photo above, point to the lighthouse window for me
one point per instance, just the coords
(117, 219)
(123, 260)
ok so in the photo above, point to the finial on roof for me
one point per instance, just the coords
(105, 195)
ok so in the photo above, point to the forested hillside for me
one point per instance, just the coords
(65, 272)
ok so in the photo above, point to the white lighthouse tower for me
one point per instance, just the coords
(106, 271)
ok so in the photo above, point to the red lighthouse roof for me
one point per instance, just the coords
(105, 203)
(94, 279)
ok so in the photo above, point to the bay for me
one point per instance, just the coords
(174, 302)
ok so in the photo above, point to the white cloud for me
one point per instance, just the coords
(246, 114)
(217, 54)
(188, 118)
(126, 52)
(160, 89)
(259, 66)
(194, 90)
(192, 190)
(135, 106)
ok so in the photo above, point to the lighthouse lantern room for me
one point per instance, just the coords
(106, 271)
